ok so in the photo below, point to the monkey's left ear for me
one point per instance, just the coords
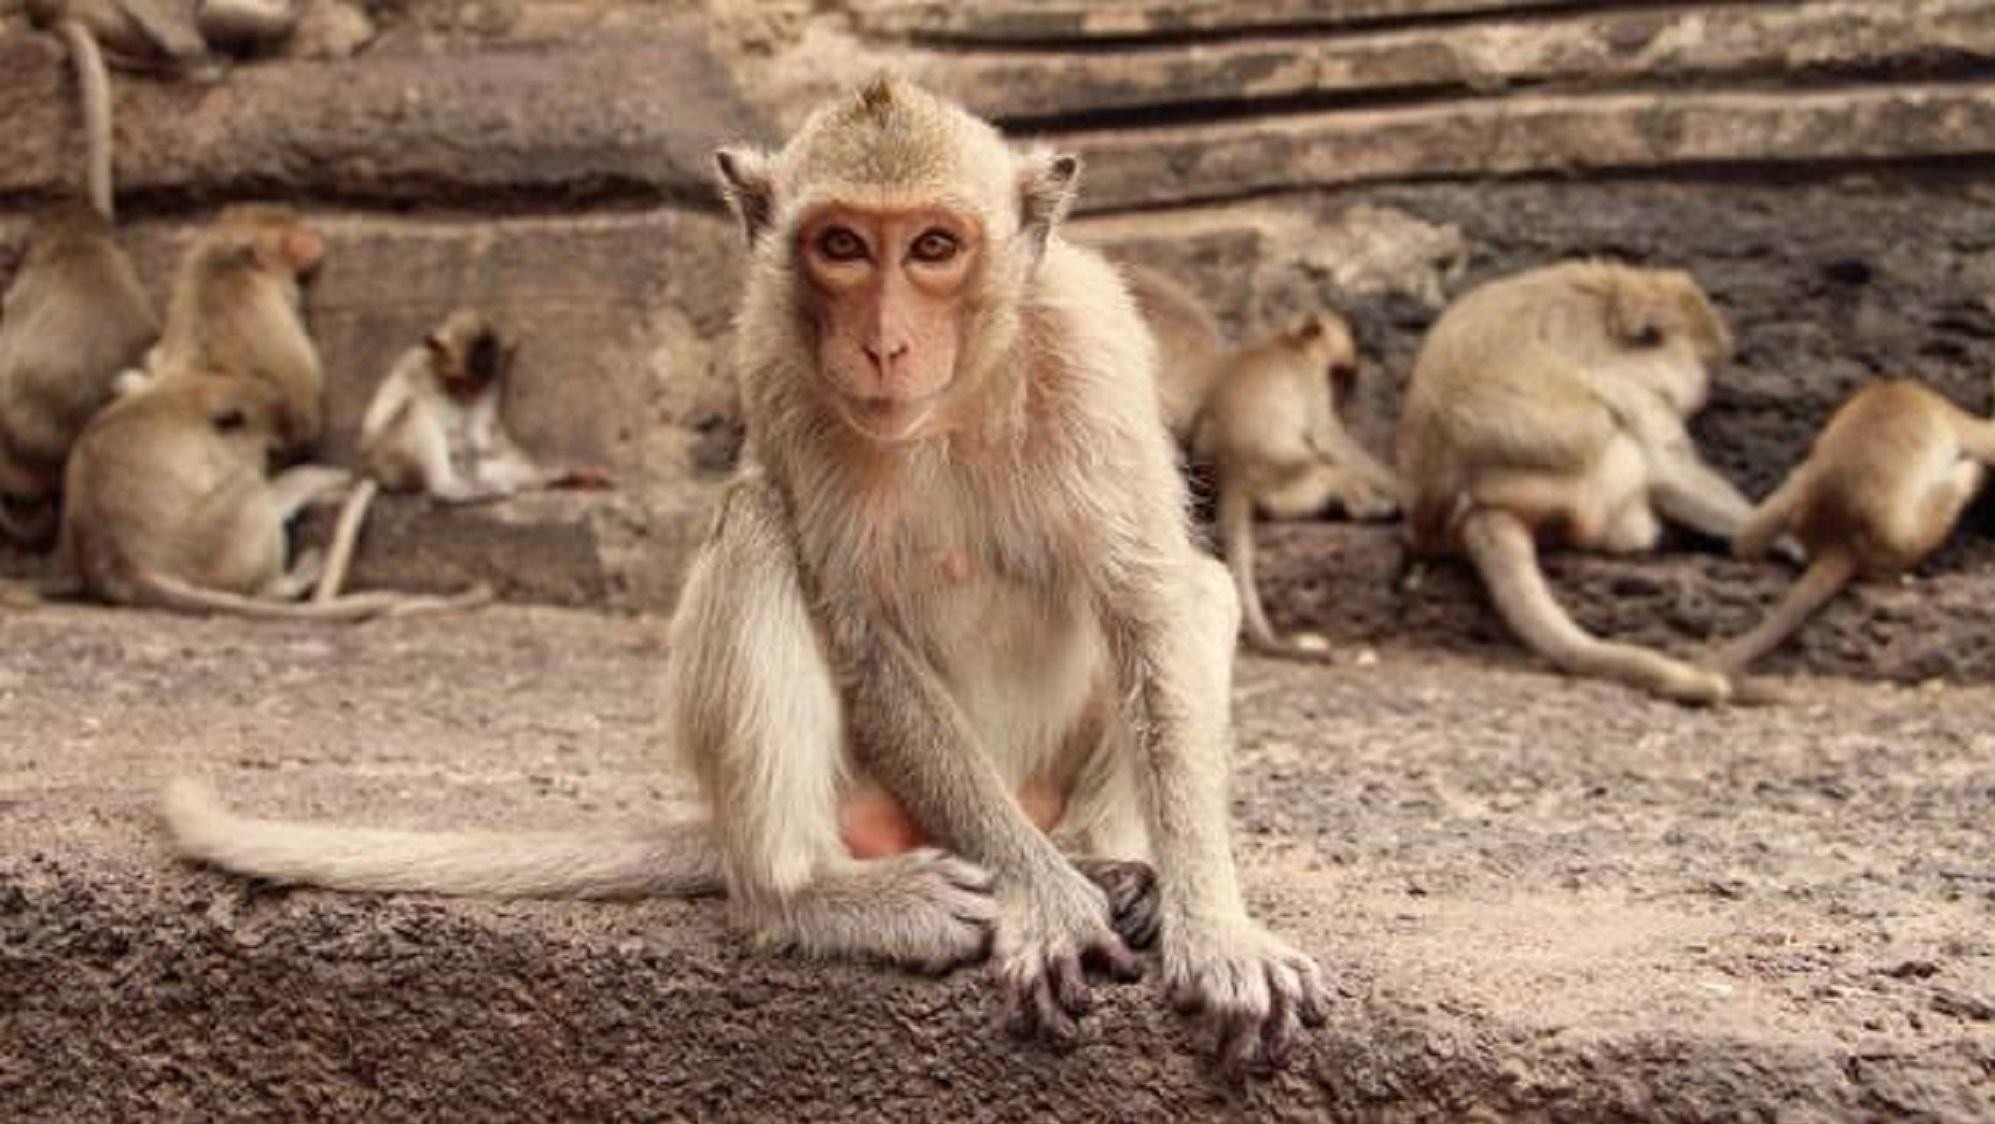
(1046, 182)
(749, 188)
(1637, 317)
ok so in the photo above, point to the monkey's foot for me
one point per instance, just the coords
(1046, 943)
(925, 910)
(1249, 988)
(1133, 903)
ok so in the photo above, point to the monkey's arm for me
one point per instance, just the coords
(173, 38)
(915, 739)
(1171, 620)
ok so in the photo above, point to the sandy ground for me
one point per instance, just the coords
(1539, 898)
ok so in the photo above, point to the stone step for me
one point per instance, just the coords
(1535, 899)
(1633, 46)
(635, 120)
(1534, 134)
(1070, 24)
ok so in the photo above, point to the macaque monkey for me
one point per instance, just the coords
(957, 574)
(168, 504)
(1551, 406)
(74, 317)
(236, 309)
(147, 35)
(1271, 425)
(1189, 346)
(434, 426)
(1882, 488)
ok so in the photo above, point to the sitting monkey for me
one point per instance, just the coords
(1551, 406)
(957, 578)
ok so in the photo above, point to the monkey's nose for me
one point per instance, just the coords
(884, 356)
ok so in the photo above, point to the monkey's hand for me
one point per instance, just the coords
(1047, 937)
(1249, 986)
(1366, 504)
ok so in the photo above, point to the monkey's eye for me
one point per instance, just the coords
(841, 244)
(935, 247)
(1648, 335)
(230, 420)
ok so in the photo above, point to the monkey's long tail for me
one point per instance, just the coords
(678, 860)
(1504, 553)
(346, 534)
(1824, 578)
(172, 593)
(95, 84)
(1236, 529)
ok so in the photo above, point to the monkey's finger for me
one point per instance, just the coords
(1279, 1030)
(1111, 956)
(1069, 983)
(1240, 1044)
(1314, 1002)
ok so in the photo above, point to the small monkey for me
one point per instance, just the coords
(74, 317)
(168, 504)
(1551, 406)
(1271, 424)
(434, 426)
(236, 309)
(957, 573)
(1881, 489)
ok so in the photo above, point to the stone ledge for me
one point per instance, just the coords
(1032, 22)
(1594, 50)
(637, 120)
(1539, 900)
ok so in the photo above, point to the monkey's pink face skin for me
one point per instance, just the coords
(889, 289)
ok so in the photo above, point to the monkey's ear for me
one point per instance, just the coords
(1707, 326)
(749, 188)
(1637, 316)
(1046, 182)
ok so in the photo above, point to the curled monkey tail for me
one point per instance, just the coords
(679, 860)
(1825, 577)
(95, 84)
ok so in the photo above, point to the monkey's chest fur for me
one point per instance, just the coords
(995, 599)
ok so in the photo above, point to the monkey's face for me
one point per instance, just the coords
(1324, 343)
(888, 294)
(244, 413)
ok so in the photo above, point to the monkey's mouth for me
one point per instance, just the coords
(890, 421)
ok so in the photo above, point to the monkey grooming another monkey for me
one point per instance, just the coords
(236, 309)
(168, 504)
(1881, 489)
(1551, 406)
(434, 426)
(957, 570)
(74, 317)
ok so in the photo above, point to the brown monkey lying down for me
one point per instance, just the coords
(956, 570)
(1882, 488)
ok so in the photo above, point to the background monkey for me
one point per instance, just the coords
(1189, 345)
(74, 318)
(1271, 424)
(168, 505)
(1551, 405)
(236, 309)
(958, 567)
(1881, 489)
(434, 425)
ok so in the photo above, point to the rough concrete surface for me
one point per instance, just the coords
(1540, 899)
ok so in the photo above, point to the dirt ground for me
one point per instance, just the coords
(1540, 899)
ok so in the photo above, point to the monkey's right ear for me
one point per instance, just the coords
(1046, 182)
(749, 188)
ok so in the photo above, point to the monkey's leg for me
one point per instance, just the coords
(1236, 532)
(1251, 988)
(1312, 489)
(1503, 551)
(1336, 445)
(295, 488)
(1772, 518)
(1692, 493)
(755, 711)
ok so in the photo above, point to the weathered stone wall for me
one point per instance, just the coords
(1819, 166)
